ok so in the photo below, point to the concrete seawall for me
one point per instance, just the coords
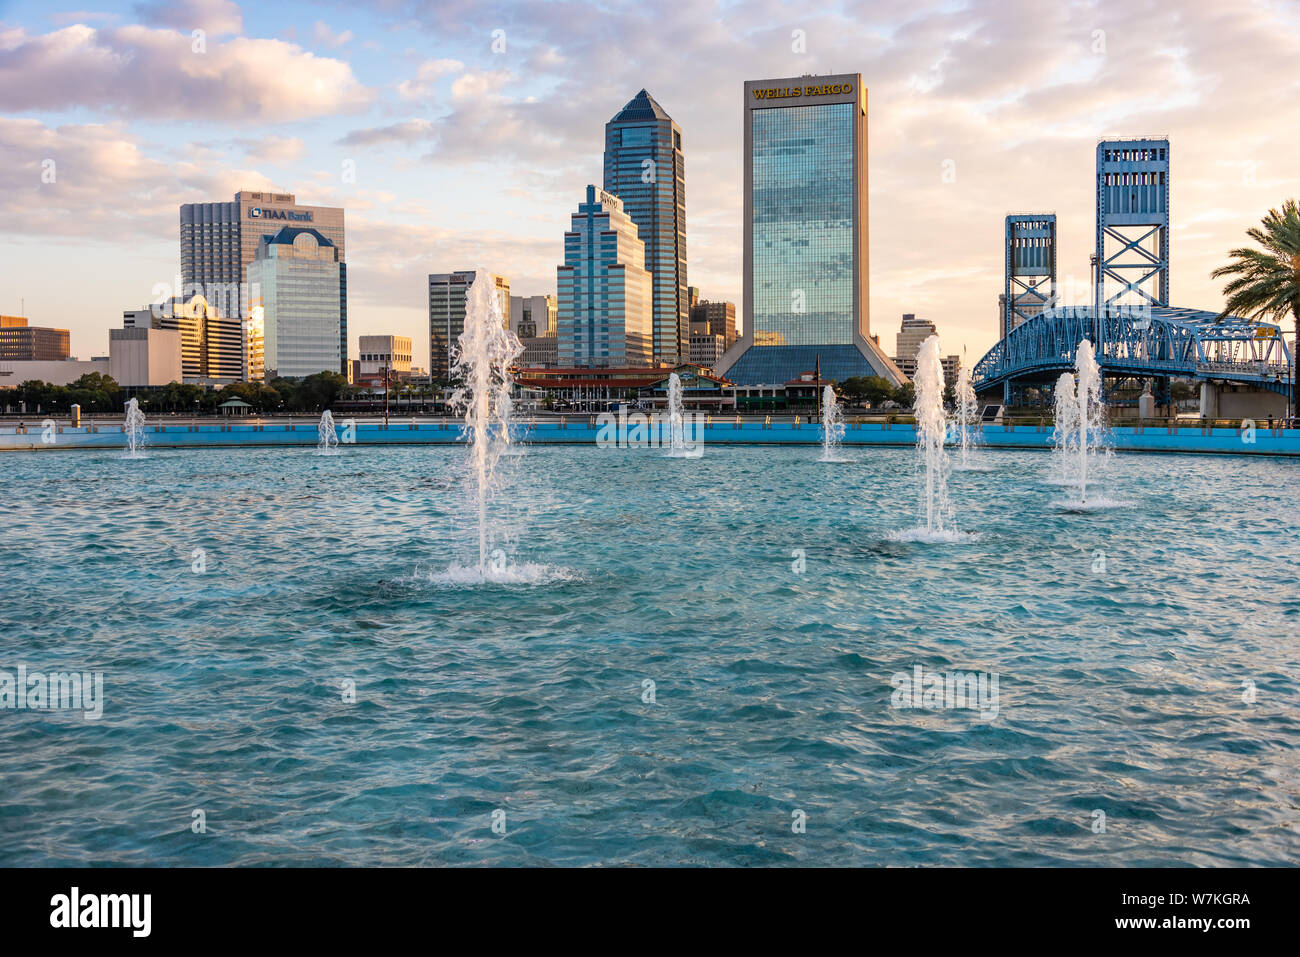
(581, 430)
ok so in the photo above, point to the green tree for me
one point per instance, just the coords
(905, 395)
(1265, 283)
(868, 388)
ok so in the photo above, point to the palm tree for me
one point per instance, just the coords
(1266, 282)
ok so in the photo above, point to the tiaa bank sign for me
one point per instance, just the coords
(294, 215)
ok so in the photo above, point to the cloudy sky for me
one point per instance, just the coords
(473, 125)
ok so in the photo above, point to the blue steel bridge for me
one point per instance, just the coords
(1137, 342)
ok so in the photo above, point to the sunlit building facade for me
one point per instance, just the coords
(219, 241)
(297, 275)
(645, 168)
(606, 314)
(805, 243)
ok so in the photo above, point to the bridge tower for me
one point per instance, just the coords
(1132, 256)
(1029, 275)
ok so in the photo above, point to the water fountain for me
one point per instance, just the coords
(931, 433)
(966, 416)
(133, 426)
(832, 426)
(1088, 399)
(328, 439)
(1065, 432)
(482, 359)
(677, 447)
(1080, 430)
(505, 415)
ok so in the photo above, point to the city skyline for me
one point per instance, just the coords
(955, 146)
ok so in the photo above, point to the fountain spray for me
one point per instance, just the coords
(481, 361)
(134, 428)
(1088, 406)
(327, 439)
(832, 425)
(966, 414)
(931, 430)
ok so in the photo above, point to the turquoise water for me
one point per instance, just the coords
(1120, 690)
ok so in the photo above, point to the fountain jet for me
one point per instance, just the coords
(966, 417)
(482, 359)
(328, 439)
(832, 426)
(133, 426)
(931, 432)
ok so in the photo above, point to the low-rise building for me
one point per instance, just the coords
(20, 342)
(143, 356)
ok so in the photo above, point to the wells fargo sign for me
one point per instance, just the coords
(826, 89)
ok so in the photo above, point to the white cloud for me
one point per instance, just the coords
(144, 72)
(410, 131)
(327, 37)
(428, 73)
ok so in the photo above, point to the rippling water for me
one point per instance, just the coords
(1120, 690)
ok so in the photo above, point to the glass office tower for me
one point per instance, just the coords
(806, 263)
(645, 169)
(219, 241)
(604, 311)
(298, 274)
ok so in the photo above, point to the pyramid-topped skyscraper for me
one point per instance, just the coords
(645, 169)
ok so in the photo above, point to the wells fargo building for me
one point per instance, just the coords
(806, 259)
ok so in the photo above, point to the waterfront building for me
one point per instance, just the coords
(706, 349)
(645, 168)
(20, 342)
(805, 234)
(144, 356)
(220, 241)
(533, 317)
(212, 344)
(447, 292)
(14, 373)
(605, 310)
(912, 332)
(380, 354)
(715, 318)
(297, 275)
(255, 345)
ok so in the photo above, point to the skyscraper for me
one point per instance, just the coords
(645, 169)
(297, 273)
(447, 292)
(220, 240)
(805, 280)
(605, 314)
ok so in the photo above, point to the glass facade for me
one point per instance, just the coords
(644, 167)
(605, 311)
(802, 198)
(219, 242)
(298, 275)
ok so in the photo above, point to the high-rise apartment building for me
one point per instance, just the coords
(219, 241)
(297, 275)
(805, 240)
(644, 167)
(606, 314)
(447, 293)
